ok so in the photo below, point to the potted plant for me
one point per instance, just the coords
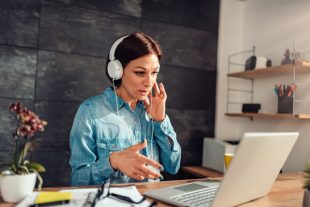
(306, 201)
(18, 176)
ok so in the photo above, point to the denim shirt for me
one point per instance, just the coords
(98, 130)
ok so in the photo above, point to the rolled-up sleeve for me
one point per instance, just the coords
(170, 150)
(87, 169)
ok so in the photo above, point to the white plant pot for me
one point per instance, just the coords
(306, 201)
(16, 187)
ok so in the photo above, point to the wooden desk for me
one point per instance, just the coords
(201, 172)
(286, 191)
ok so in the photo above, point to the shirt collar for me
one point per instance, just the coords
(109, 92)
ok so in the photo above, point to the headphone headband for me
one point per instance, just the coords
(115, 68)
(114, 46)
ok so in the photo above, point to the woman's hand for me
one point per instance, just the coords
(133, 164)
(156, 107)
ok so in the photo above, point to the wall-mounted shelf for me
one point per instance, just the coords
(298, 65)
(301, 66)
(270, 116)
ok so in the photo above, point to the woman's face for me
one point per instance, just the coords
(138, 78)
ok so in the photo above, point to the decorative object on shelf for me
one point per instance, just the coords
(306, 200)
(285, 97)
(18, 177)
(287, 59)
(251, 107)
(255, 62)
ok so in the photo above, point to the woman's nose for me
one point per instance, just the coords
(148, 80)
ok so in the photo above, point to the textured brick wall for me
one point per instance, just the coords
(53, 53)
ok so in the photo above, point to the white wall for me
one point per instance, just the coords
(270, 25)
(230, 41)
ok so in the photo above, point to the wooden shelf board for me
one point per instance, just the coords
(301, 66)
(270, 116)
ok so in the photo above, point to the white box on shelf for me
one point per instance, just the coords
(213, 153)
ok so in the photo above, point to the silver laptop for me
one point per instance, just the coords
(255, 166)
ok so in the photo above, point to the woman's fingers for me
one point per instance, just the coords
(147, 103)
(139, 146)
(145, 174)
(156, 89)
(149, 173)
(151, 162)
(136, 165)
(150, 96)
(143, 170)
(159, 90)
(136, 176)
(140, 172)
(162, 90)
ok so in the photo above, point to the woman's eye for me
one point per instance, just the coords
(139, 73)
(155, 73)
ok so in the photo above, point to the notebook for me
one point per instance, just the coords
(48, 197)
(255, 166)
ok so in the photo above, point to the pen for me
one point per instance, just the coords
(50, 203)
(292, 88)
(276, 91)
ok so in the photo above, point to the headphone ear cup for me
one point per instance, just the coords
(115, 69)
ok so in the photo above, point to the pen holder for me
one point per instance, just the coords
(285, 105)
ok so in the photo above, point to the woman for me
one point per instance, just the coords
(124, 133)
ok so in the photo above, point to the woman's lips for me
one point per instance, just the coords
(144, 92)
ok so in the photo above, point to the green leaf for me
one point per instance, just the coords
(22, 169)
(24, 151)
(13, 168)
(35, 166)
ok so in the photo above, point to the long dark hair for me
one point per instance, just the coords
(133, 47)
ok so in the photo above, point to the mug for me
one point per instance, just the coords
(227, 159)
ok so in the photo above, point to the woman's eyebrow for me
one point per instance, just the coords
(140, 67)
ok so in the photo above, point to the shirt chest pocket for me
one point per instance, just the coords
(112, 130)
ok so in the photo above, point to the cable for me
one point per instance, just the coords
(152, 156)
(149, 115)
(115, 97)
(152, 134)
(152, 128)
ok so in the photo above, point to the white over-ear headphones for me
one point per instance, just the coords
(115, 68)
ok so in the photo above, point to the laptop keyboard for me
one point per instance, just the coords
(203, 197)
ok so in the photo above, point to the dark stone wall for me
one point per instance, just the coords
(53, 55)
